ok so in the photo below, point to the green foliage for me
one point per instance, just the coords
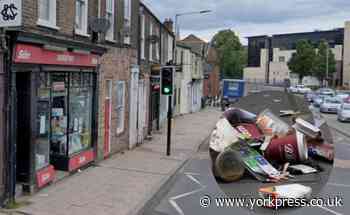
(302, 62)
(232, 56)
(320, 65)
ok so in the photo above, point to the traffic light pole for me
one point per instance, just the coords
(168, 146)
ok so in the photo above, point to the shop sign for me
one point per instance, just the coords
(58, 86)
(25, 53)
(45, 176)
(80, 160)
(10, 13)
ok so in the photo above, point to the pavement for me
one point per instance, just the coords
(124, 183)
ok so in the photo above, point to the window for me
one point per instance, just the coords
(120, 106)
(47, 13)
(127, 20)
(110, 17)
(81, 9)
(142, 38)
(157, 45)
(151, 44)
(282, 59)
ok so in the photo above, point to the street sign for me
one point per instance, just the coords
(10, 13)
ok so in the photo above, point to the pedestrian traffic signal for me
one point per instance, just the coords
(167, 80)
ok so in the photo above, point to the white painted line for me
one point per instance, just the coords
(329, 210)
(172, 199)
(339, 185)
(195, 180)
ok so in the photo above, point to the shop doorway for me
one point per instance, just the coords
(108, 117)
(23, 147)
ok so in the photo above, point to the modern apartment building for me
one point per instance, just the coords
(268, 55)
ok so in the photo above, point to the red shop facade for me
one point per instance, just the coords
(56, 112)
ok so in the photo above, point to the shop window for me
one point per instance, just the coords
(120, 107)
(47, 13)
(80, 109)
(81, 14)
(59, 111)
(110, 16)
(42, 146)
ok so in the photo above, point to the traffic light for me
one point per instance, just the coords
(167, 80)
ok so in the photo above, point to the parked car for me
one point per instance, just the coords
(342, 95)
(330, 105)
(302, 89)
(293, 89)
(326, 91)
(344, 112)
(310, 96)
(318, 100)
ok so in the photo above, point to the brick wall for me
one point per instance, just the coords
(115, 66)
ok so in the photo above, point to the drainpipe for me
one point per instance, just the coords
(8, 43)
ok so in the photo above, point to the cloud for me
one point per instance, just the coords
(254, 17)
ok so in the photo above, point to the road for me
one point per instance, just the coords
(182, 195)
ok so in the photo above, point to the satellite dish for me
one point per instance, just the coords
(99, 25)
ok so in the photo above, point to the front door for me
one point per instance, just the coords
(108, 118)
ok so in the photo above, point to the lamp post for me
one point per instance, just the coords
(177, 29)
(327, 64)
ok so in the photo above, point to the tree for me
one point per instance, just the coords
(231, 54)
(320, 64)
(302, 61)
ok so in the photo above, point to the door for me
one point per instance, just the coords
(23, 147)
(133, 107)
(141, 111)
(108, 117)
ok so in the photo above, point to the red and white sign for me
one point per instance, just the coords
(25, 53)
(45, 176)
(81, 159)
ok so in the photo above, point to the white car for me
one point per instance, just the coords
(293, 89)
(330, 105)
(303, 89)
(344, 112)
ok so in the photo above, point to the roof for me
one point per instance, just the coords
(193, 39)
(156, 18)
(197, 45)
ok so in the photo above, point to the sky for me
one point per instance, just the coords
(253, 17)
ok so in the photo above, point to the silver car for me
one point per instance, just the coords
(330, 105)
(344, 112)
(318, 99)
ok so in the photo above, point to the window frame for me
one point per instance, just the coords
(142, 37)
(150, 43)
(52, 21)
(120, 108)
(110, 33)
(127, 19)
(83, 30)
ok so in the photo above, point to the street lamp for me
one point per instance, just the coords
(177, 29)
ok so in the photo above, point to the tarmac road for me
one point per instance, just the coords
(181, 196)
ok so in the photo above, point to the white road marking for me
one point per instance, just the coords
(329, 210)
(172, 199)
(339, 185)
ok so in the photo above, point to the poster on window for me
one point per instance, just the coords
(11, 13)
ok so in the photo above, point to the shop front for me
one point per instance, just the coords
(55, 113)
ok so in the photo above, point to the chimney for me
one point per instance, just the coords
(169, 24)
